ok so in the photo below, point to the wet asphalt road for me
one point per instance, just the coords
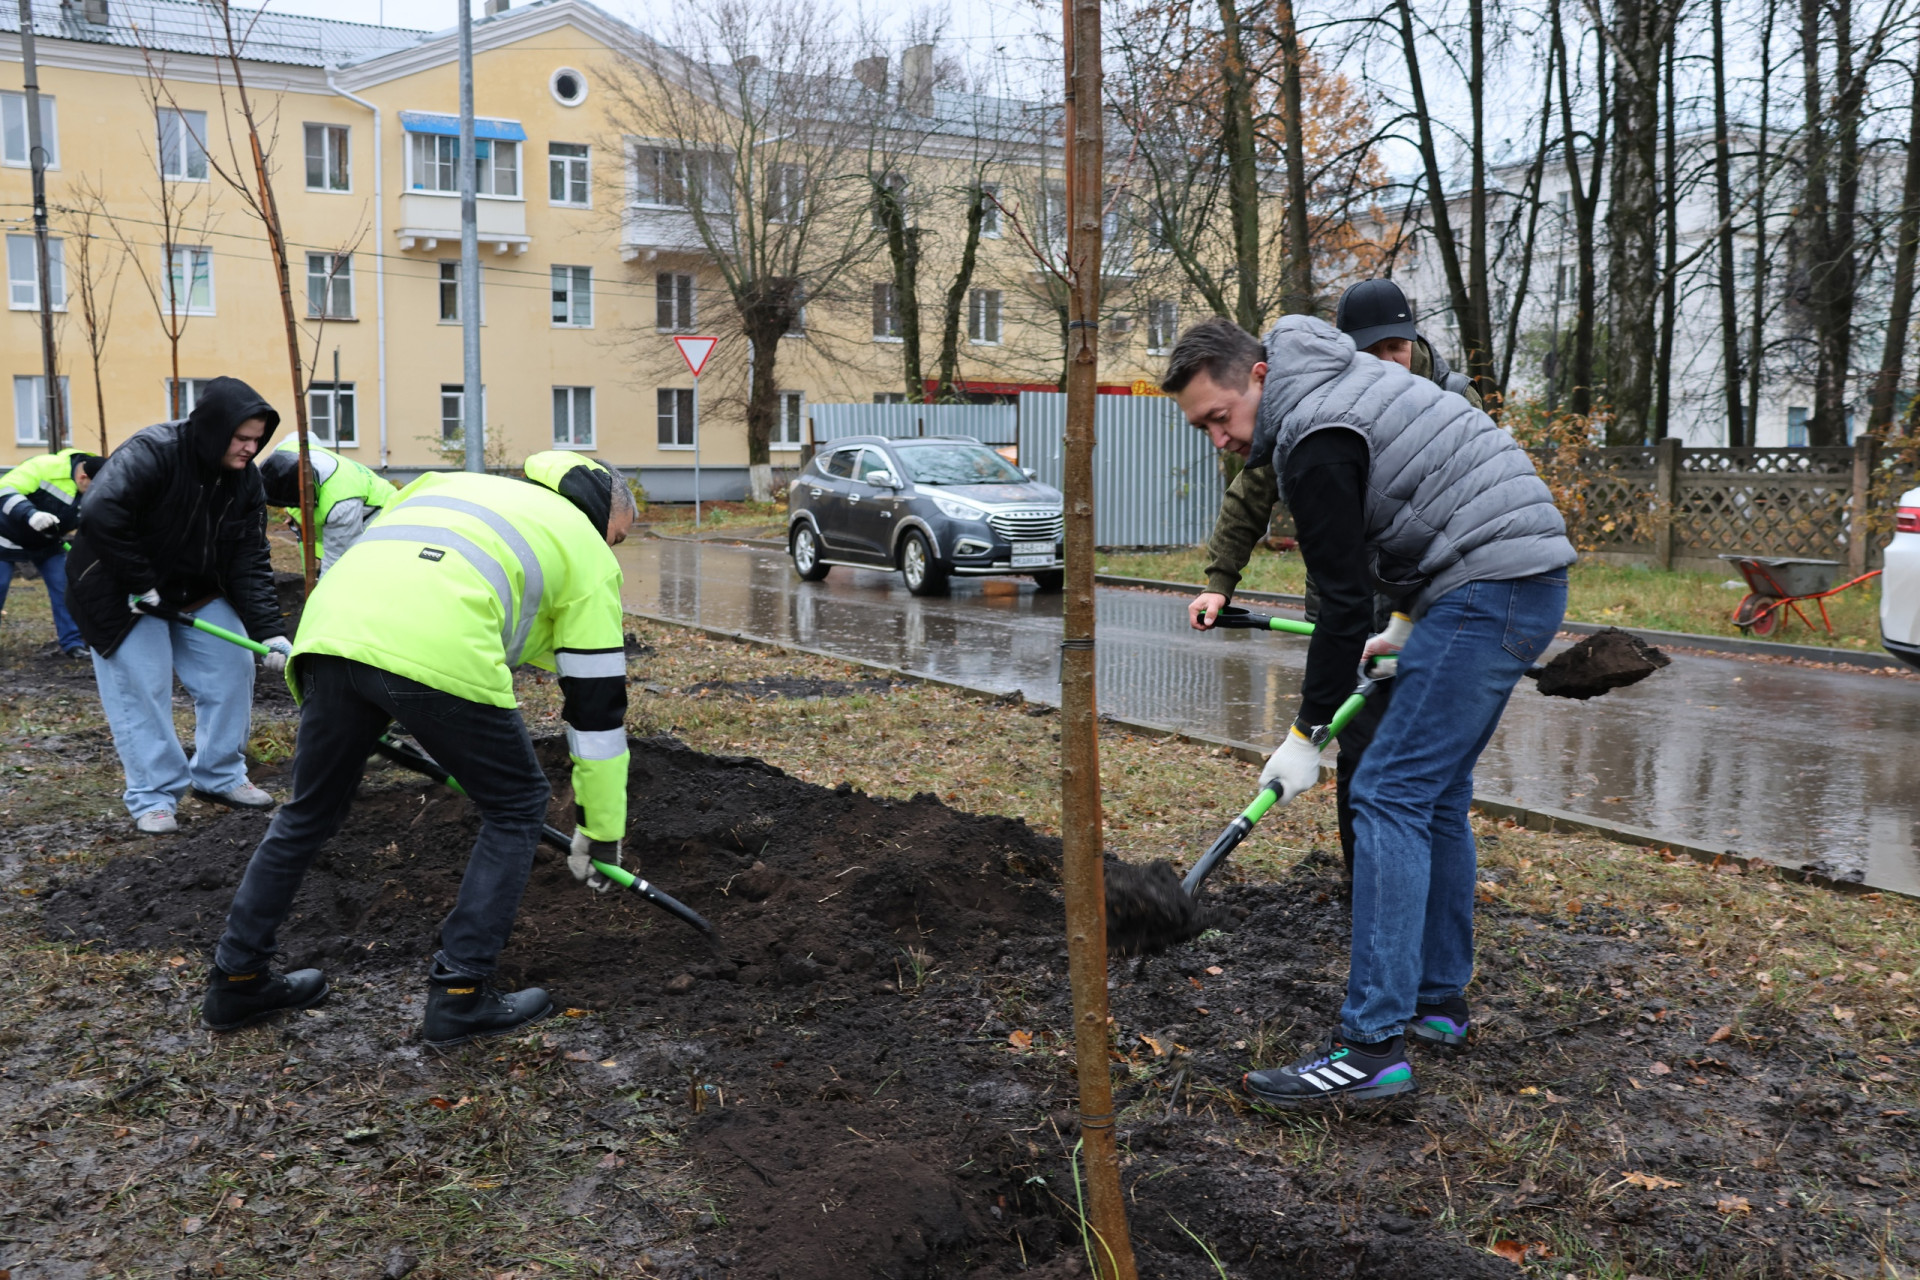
(1787, 763)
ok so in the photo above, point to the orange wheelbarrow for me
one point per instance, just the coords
(1776, 584)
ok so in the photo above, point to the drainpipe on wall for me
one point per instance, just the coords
(379, 258)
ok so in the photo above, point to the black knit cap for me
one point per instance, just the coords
(1372, 310)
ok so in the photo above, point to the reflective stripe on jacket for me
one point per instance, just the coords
(462, 578)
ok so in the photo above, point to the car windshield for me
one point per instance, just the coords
(956, 464)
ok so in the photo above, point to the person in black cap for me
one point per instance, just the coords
(1376, 315)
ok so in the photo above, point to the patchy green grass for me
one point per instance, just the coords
(736, 519)
(1616, 595)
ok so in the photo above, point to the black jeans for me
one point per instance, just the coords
(345, 707)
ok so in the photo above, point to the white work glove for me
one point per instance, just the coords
(585, 853)
(1293, 768)
(1384, 649)
(276, 661)
(138, 604)
(43, 522)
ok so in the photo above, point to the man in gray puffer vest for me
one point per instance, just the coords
(1397, 485)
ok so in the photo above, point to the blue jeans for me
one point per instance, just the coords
(52, 564)
(136, 689)
(1413, 867)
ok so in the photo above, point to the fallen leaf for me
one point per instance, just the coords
(190, 1225)
(1724, 1033)
(576, 1013)
(1864, 1180)
(1896, 978)
(1512, 1250)
(441, 1103)
(1635, 1083)
(1529, 1091)
(1573, 906)
(1215, 970)
(611, 1161)
(1551, 1096)
(1020, 1039)
(579, 1055)
(1196, 984)
(1659, 1069)
(1842, 1015)
(1764, 978)
(1154, 1045)
(1883, 1077)
(1733, 1204)
(236, 1201)
(609, 1062)
(122, 1132)
(176, 961)
(1651, 1181)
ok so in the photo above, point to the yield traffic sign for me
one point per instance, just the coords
(695, 352)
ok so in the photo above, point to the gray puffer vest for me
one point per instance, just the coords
(1451, 499)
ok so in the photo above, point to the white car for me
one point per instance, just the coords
(1900, 584)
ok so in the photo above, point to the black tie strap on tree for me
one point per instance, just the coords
(1077, 643)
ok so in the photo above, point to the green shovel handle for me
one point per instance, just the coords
(201, 624)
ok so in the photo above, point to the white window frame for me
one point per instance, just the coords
(1162, 333)
(986, 317)
(320, 423)
(572, 397)
(194, 254)
(458, 302)
(421, 166)
(683, 400)
(889, 397)
(578, 285)
(13, 128)
(682, 303)
(23, 291)
(331, 280)
(790, 426)
(786, 192)
(343, 155)
(30, 408)
(565, 166)
(646, 154)
(887, 319)
(990, 211)
(190, 389)
(457, 392)
(173, 120)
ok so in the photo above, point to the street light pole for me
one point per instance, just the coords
(37, 158)
(1080, 819)
(472, 408)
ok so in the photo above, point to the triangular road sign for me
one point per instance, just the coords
(695, 352)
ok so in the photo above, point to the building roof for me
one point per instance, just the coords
(193, 26)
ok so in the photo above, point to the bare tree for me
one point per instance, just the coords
(1586, 154)
(745, 143)
(1739, 429)
(1906, 240)
(93, 279)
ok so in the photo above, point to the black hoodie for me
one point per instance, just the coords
(164, 514)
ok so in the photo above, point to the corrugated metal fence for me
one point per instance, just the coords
(988, 423)
(1156, 480)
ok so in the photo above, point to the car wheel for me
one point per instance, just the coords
(922, 572)
(1050, 582)
(805, 549)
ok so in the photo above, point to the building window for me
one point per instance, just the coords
(786, 428)
(889, 397)
(30, 408)
(450, 293)
(435, 158)
(569, 87)
(567, 174)
(188, 283)
(13, 130)
(330, 414)
(1797, 416)
(327, 157)
(183, 395)
(573, 297)
(573, 417)
(453, 410)
(183, 145)
(797, 323)
(329, 286)
(886, 313)
(1161, 232)
(786, 192)
(23, 273)
(676, 418)
(1053, 217)
(983, 316)
(673, 302)
(990, 210)
(670, 178)
(893, 185)
(1162, 319)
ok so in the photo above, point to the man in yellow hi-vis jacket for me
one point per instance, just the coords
(460, 580)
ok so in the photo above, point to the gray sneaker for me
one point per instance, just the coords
(157, 822)
(244, 796)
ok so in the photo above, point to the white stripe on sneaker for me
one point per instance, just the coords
(1333, 1079)
(1316, 1081)
(1351, 1073)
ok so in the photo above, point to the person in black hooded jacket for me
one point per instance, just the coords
(177, 519)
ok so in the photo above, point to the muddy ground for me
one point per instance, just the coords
(866, 1077)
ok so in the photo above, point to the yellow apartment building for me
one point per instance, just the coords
(587, 267)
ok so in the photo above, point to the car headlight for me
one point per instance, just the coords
(958, 510)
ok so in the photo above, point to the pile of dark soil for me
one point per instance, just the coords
(1608, 659)
(844, 1036)
(765, 687)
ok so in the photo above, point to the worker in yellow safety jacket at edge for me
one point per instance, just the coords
(347, 495)
(422, 622)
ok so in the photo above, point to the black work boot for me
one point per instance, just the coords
(237, 1000)
(460, 1009)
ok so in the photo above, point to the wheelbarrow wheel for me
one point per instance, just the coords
(1755, 616)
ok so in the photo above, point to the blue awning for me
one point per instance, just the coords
(494, 130)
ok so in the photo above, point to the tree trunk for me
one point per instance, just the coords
(1737, 432)
(957, 297)
(1443, 238)
(1585, 198)
(766, 320)
(1756, 333)
(1479, 352)
(1900, 315)
(1297, 297)
(1633, 218)
(1670, 256)
(1534, 173)
(1238, 144)
(903, 250)
(1827, 211)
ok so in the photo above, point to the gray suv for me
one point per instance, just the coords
(931, 507)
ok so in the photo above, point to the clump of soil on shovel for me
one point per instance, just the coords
(1606, 660)
(861, 1110)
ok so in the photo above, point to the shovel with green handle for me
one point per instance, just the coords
(421, 763)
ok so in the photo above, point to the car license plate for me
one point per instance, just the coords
(1028, 555)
